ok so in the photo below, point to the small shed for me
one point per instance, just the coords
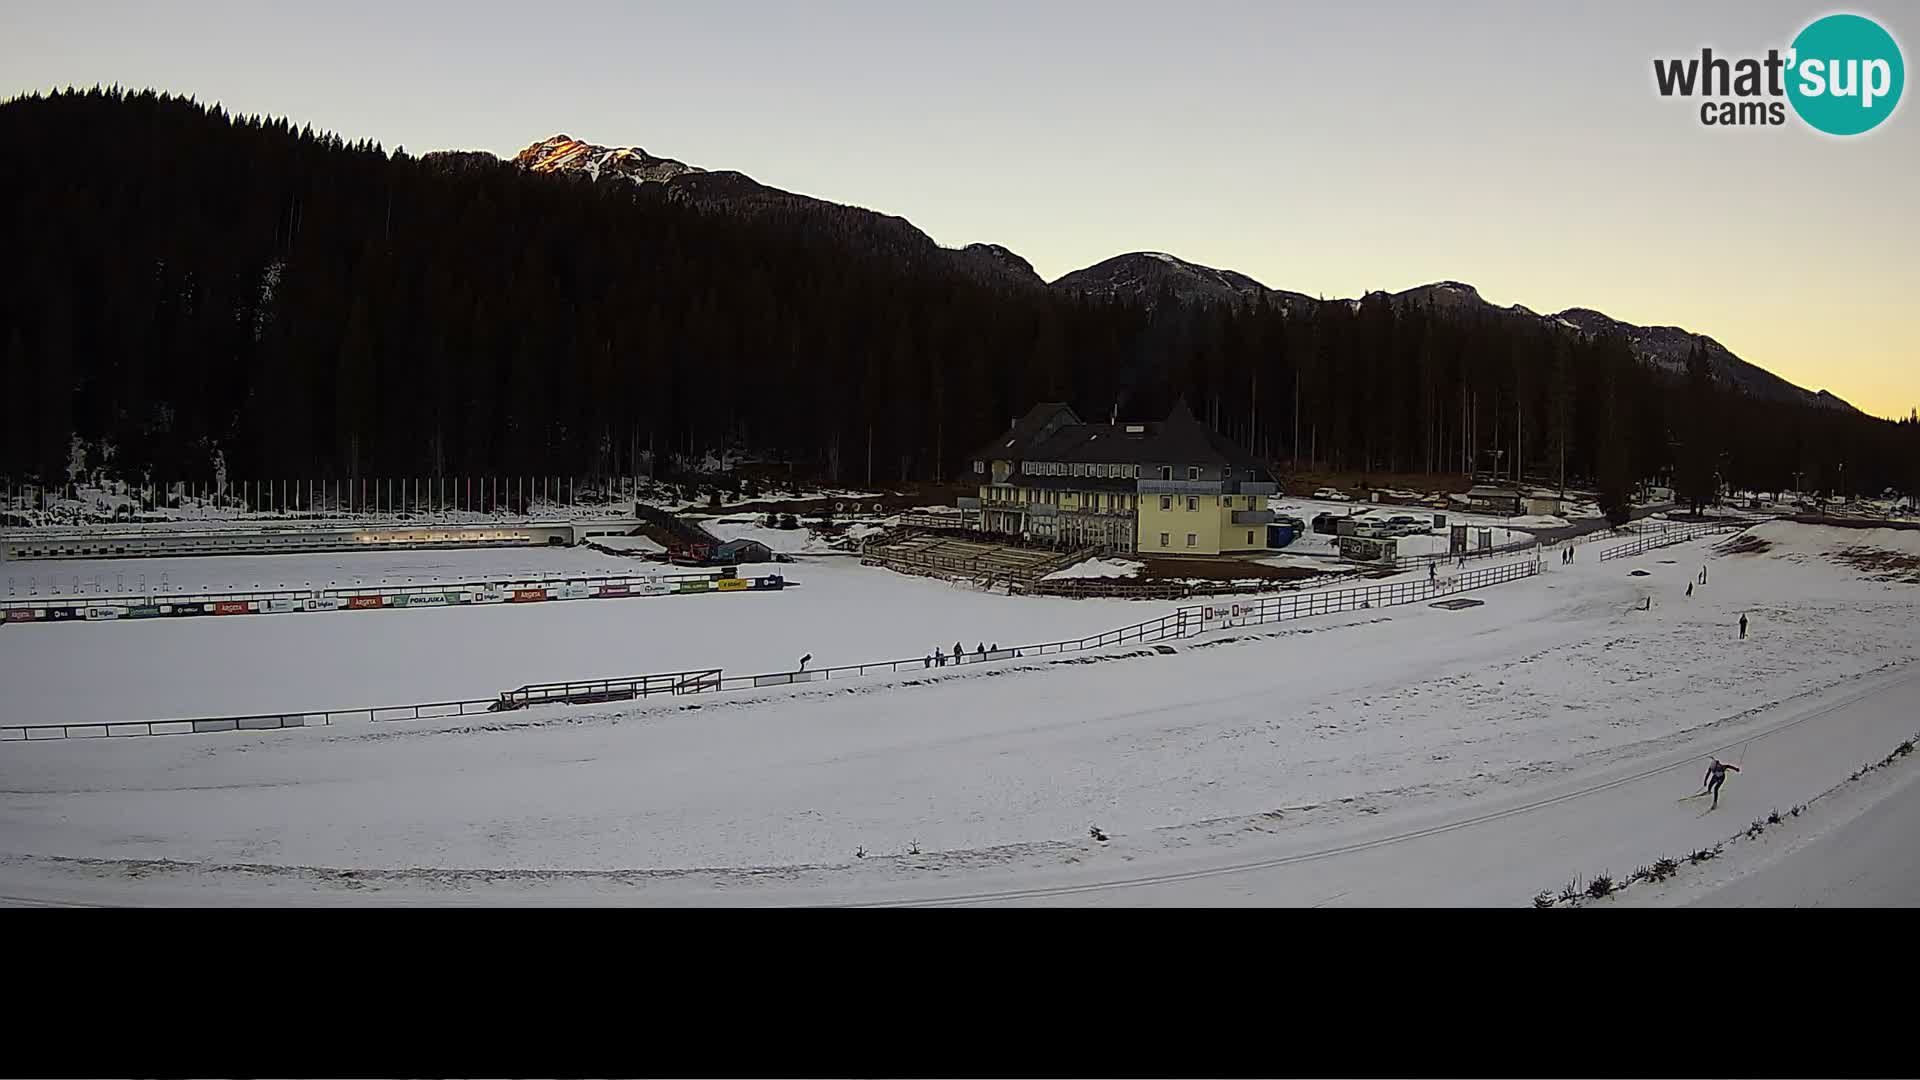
(734, 552)
(1489, 499)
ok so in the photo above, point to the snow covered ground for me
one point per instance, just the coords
(800, 541)
(636, 544)
(1403, 755)
(144, 577)
(841, 612)
(1099, 568)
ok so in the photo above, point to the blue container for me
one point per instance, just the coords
(1279, 536)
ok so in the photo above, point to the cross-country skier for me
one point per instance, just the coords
(1716, 775)
(1689, 588)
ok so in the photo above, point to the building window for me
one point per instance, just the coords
(1166, 472)
(1193, 502)
(1249, 537)
(1166, 502)
(1193, 539)
(1166, 540)
(979, 466)
(1193, 472)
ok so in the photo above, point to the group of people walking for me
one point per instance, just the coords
(938, 658)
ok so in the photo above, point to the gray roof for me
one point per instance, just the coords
(1180, 439)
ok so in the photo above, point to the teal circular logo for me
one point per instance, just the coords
(1846, 74)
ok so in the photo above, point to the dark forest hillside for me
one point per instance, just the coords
(179, 280)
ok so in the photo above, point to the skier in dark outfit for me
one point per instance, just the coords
(1716, 775)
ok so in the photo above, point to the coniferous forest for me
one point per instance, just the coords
(179, 281)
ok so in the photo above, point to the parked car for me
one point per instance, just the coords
(1332, 495)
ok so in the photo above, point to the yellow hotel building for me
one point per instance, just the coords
(1169, 487)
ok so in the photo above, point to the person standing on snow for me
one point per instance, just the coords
(1743, 627)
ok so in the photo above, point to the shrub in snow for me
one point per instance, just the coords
(1664, 869)
(1600, 887)
(1543, 899)
(1097, 834)
(1773, 817)
(788, 521)
(1571, 893)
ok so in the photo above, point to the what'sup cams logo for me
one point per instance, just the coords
(1843, 75)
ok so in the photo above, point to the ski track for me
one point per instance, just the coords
(1317, 725)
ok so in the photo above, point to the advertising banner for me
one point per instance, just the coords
(731, 584)
(359, 602)
(232, 607)
(612, 590)
(693, 587)
(529, 596)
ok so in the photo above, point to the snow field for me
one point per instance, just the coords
(841, 612)
(1366, 717)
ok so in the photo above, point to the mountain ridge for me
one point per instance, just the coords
(1142, 276)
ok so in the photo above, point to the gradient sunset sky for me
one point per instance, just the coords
(1328, 148)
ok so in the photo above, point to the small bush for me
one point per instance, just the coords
(1759, 825)
(1543, 899)
(1600, 887)
(1571, 892)
(1665, 869)
(1904, 748)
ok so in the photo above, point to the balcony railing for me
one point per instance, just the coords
(1179, 487)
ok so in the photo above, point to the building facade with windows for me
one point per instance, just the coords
(1169, 487)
